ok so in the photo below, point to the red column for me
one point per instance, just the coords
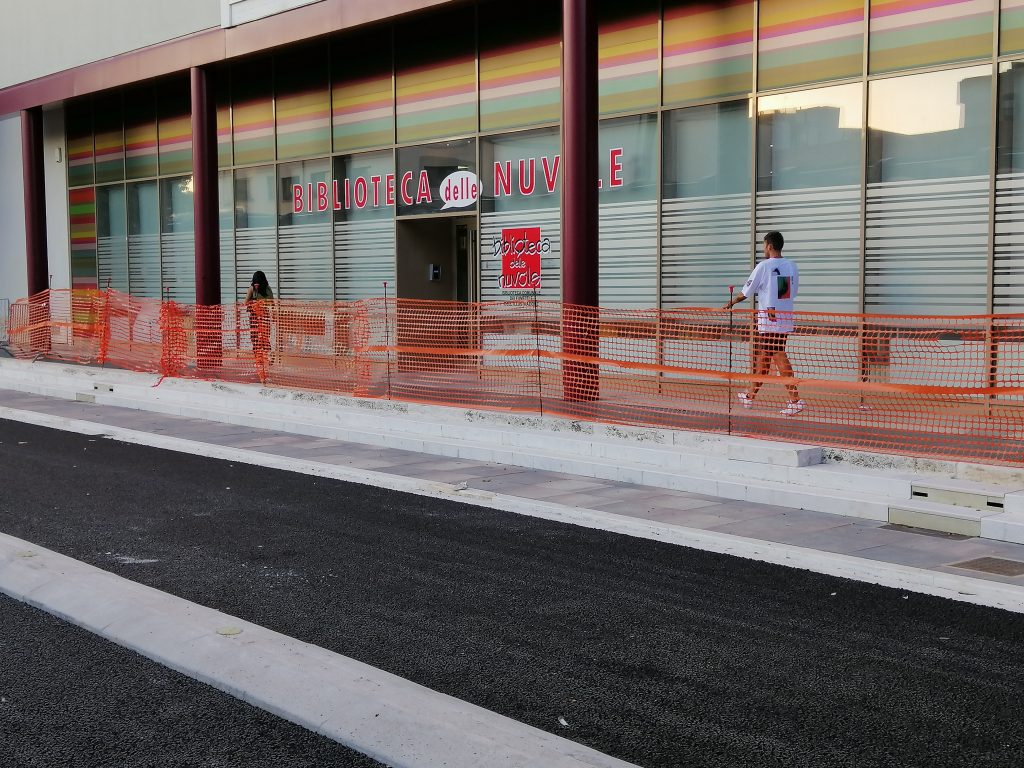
(35, 199)
(206, 220)
(579, 198)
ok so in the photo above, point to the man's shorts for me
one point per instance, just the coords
(770, 343)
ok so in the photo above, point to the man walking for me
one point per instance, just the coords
(775, 281)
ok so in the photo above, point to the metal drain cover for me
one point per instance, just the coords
(998, 566)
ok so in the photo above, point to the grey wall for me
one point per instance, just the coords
(41, 37)
(58, 236)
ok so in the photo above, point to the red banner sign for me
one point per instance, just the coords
(520, 250)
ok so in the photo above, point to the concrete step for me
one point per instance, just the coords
(935, 516)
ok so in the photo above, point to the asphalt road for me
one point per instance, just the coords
(656, 654)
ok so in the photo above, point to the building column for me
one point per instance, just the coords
(209, 321)
(35, 199)
(580, 324)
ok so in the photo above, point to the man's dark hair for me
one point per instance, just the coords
(775, 239)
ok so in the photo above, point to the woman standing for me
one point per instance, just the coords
(259, 290)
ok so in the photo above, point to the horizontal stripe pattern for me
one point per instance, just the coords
(436, 100)
(304, 123)
(1008, 267)
(175, 144)
(627, 53)
(798, 46)
(304, 262)
(82, 215)
(140, 150)
(822, 230)
(917, 33)
(705, 247)
(709, 50)
(255, 249)
(550, 222)
(144, 265)
(363, 113)
(520, 85)
(110, 155)
(926, 249)
(364, 259)
(1011, 26)
(178, 266)
(254, 131)
(628, 255)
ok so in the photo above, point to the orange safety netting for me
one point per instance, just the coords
(945, 387)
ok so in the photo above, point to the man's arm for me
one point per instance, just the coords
(735, 300)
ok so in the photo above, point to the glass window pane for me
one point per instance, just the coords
(362, 100)
(520, 65)
(1011, 26)
(82, 212)
(109, 122)
(904, 35)
(175, 127)
(223, 84)
(80, 143)
(177, 239)
(435, 79)
(627, 52)
(809, 187)
(928, 190)
(521, 171)
(226, 201)
(1008, 281)
(422, 170)
(705, 215)
(303, 103)
(709, 51)
(253, 111)
(628, 173)
(364, 235)
(304, 203)
(140, 139)
(800, 42)
(112, 238)
(255, 225)
(144, 239)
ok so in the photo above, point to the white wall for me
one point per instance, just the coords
(40, 37)
(13, 269)
(58, 236)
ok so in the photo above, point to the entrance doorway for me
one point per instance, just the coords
(437, 258)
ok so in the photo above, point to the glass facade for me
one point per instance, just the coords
(883, 138)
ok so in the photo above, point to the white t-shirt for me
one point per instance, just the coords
(775, 281)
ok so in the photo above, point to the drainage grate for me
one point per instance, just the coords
(997, 566)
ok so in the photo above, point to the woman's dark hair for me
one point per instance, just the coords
(260, 281)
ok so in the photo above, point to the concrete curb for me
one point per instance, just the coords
(379, 714)
(1009, 597)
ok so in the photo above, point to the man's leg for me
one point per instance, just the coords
(762, 363)
(786, 371)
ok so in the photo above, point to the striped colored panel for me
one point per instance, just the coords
(628, 255)
(926, 250)
(705, 246)
(627, 52)
(109, 155)
(1011, 26)
(175, 138)
(304, 258)
(916, 33)
(822, 230)
(178, 266)
(1008, 281)
(436, 100)
(796, 45)
(304, 124)
(253, 112)
(82, 214)
(140, 134)
(223, 135)
(80, 144)
(363, 113)
(364, 259)
(550, 223)
(709, 51)
(520, 85)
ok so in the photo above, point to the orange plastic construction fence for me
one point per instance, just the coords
(944, 387)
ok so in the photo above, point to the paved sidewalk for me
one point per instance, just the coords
(873, 543)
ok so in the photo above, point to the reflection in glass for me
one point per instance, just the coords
(177, 239)
(112, 238)
(928, 190)
(304, 230)
(809, 188)
(364, 237)
(255, 225)
(422, 169)
(705, 215)
(520, 171)
(1008, 278)
(144, 239)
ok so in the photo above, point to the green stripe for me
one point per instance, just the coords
(930, 33)
(80, 176)
(179, 161)
(139, 167)
(304, 143)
